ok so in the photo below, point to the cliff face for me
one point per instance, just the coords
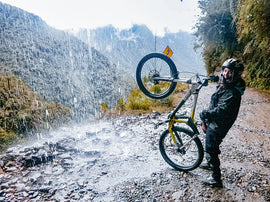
(56, 65)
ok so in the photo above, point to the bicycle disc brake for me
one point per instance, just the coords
(154, 74)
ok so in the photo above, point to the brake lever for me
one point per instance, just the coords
(214, 78)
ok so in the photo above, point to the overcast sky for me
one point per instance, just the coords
(158, 15)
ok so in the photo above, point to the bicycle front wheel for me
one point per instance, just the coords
(184, 155)
(155, 73)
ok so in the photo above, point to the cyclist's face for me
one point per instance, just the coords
(227, 73)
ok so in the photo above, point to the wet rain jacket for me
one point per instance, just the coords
(224, 106)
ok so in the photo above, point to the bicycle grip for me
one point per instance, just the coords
(214, 78)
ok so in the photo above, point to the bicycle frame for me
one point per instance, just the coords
(180, 147)
(189, 120)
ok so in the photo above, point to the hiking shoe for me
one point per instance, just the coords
(205, 166)
(213, 183)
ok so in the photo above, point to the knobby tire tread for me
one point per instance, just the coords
(173, 164)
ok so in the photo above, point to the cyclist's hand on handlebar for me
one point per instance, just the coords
(214, 78)
(205, 82)
(202, 117)
(205, 115)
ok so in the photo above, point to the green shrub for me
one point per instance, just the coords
(121, 104)
(104, 108)
(22, 111)
(6, 139)
(136, 101)
(156, 89)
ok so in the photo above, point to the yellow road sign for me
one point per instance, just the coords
(168, 51)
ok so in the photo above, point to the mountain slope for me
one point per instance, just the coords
(58, 66)
(126, 47)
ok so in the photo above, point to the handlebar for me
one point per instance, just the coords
(196, 87)
(213, 78)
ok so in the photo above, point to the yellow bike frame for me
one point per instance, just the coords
(185, 119)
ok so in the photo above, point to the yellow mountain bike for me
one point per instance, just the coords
(157, 77)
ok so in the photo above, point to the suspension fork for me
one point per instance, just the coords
(180, 145)
(190, 123)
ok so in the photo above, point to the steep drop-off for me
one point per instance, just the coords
(56, 65)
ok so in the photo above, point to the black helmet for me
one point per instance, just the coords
(234, 65)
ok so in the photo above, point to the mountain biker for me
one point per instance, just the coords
(221, 115)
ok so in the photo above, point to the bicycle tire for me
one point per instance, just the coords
(156, 65)
(186, 159)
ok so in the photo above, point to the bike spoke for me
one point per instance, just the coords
(154, 68)
(185, 154)
(155, 74)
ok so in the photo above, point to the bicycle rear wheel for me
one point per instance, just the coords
(180, 158)
(155, 73)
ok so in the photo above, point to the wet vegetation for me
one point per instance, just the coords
(22, 112)
(57, 65)
(241, 29)
(42, 70)
(138, 103)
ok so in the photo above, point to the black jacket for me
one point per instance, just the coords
(224, 106)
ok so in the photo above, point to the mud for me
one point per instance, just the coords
(245, 156)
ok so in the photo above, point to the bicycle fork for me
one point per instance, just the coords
(180, 143)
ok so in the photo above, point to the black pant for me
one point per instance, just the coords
(212, 142)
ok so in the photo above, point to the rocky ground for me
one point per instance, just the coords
(119, 160)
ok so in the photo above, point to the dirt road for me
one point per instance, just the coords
(119, 160)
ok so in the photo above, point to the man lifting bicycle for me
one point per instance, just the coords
(221, 115)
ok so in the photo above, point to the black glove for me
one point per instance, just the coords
(205, 115)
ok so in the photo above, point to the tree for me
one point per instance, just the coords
(240, 29)
(217, 31)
